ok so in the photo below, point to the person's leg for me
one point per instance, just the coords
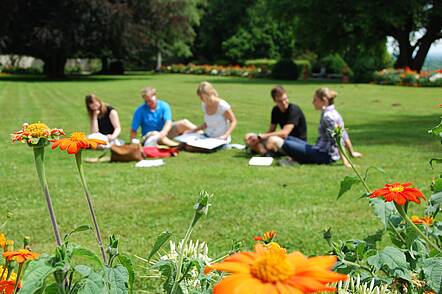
(274, 144)
(297, 149)
(313, 155)
(254, 144)
(179, 127)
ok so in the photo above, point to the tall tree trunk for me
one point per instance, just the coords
(54, 66)
(405, 50)
(159, 61)
(104, 65)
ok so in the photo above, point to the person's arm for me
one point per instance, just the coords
(230, 116)
(94, 122)
(283, 133)
(349, 146)
(115, 120)
(133, 134)
(201, 127)
(344, 160)
(166, 129)
(136, 120)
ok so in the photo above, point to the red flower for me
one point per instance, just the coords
(399, 193)
(7, 287)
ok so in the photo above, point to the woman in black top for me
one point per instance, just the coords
(103, 118)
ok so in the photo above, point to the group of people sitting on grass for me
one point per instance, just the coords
(154, 117)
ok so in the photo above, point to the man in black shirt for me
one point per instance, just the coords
(288, 116)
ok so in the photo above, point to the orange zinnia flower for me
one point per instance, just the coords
(427, 220)
(21, 255)
(399, 193)
(32, 133)
(267, 237)
(7, 287)
(269, 269)
(76, 142)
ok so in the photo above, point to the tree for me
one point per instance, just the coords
(169, 25)
(54, 30)
(221, 20)
(338, 25)
(262, 36)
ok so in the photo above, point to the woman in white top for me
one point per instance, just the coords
(219, 119)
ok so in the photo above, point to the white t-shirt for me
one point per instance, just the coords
(217, 124)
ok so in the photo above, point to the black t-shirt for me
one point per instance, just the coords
(293, 115)
(104, 123)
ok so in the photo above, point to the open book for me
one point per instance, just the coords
(200, 141)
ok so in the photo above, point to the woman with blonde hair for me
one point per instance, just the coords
(325, 150)
(104, 120)
(219, 119)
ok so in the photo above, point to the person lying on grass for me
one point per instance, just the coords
(288, 116)
(325, 151)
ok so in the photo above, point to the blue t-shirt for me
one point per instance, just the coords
(151, 120)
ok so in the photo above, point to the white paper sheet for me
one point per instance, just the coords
(261, 161)
(149, 163)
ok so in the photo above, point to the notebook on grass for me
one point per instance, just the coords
(261, 161)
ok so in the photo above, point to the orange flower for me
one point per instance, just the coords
(7, 287)
(76, 142)
(427, 220)
(21, 255)
(32, 133)
(267, 237)
(2, 240)
(269, 269)
(399, 193)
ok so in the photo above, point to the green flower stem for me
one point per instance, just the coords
(17, 280)
(39, 155)
(90, 205)
(404, 215)
(344, 153)
(180, 263)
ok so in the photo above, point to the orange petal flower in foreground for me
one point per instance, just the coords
(269, 269)
(21, 255)
(427, 220)
(399, 193)
(76, 142)
(7, 287)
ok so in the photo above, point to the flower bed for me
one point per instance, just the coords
(407, 77)
(217, 70)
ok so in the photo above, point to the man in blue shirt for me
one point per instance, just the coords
(155, 119)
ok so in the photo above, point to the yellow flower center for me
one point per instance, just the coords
(272, 266)
(78, 136)
(37, 130)
(396, 188)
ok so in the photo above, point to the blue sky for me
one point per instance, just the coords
(436, 48)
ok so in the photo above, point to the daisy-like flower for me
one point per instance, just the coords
(32, 133)
(267, 237)
(399, 193)
(20, 256)
(269, 269)
(427, 220)
(76, 142)
(12, 276)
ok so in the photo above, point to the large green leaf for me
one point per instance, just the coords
(127, 263)
(91, 283)
(346, 184)
(36, 274)
(161, 239)
(383, 210)
(392, 259)
(87, 254)
(433, 273)
(117, 280)
(77, 230)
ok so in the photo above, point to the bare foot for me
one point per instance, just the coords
(356, 154)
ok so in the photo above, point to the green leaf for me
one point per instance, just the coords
(52, 289)
(371, 240)
(161, 239)
(127, 263)
(436, 185)
(76, 230)
(434, 204)
(392, 259)
(346, 184)
(36, 274)
(433, 273)
(436, 131)
(87, 254)
(383, 210)
(117, 280)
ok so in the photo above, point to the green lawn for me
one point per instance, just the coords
(387, 124)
